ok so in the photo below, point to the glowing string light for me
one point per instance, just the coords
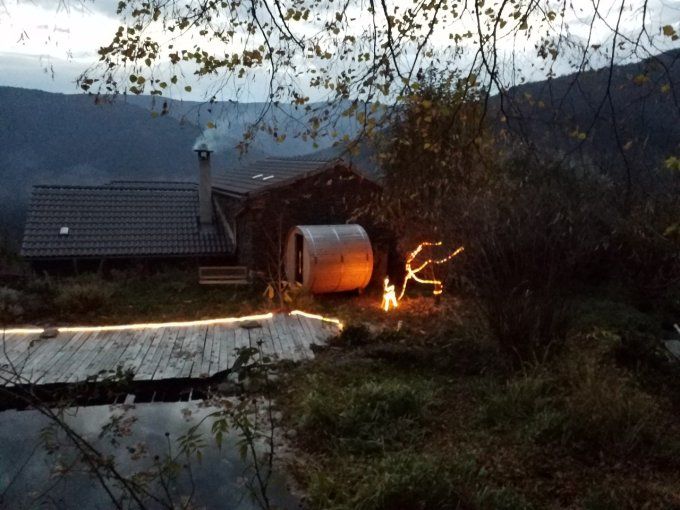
(318, 317)
(389, 296)
(160, 325)
(412, 273)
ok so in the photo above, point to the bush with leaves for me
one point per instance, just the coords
(645, 243)
(365, 416)
(10, 305)
(84, 294)
(529, 234)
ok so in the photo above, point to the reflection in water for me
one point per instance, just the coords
(31, 476)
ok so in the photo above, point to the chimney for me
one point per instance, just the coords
(204, 185)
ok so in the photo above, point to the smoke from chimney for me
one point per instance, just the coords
(205, 207)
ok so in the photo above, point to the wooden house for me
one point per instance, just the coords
(261, 202)
(240, 216)
(121, 223)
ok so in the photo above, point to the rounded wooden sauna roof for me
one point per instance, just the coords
(329, 258)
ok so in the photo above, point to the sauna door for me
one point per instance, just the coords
(299, 257)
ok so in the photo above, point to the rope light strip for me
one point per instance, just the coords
(160, 325)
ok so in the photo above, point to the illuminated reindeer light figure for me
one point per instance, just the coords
(412, 272)
(389, 296)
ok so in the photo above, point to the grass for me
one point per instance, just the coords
(414, 421)
(419, 409)
(364, 415)
(125, 297)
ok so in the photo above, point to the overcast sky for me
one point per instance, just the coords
(46, 46)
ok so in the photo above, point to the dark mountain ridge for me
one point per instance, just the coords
(48, 138)
(625, 123)
(626, 126)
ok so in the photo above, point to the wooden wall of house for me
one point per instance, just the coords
(141, 265)
(334, 196)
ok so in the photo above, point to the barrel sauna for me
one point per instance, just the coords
(329, 258)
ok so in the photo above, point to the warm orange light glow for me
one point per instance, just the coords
(412, 273)
(159, 325)
(389, 300)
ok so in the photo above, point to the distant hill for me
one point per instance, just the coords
(571, 117)
(231, 120)
(637, 130)
(54, 138)
(48, 138)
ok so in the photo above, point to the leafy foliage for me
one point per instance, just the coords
(83, 295)
(362, 58)
(365, 416)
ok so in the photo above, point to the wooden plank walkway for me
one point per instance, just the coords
(156, 352)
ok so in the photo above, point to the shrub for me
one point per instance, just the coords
(404, 481)
(616, 316)
(528, 233)
(367, 415)
(10, 305)
(606, 409)
(518, 399)
(408, 481)
(528, 404)
(83, 295)
(645, 248)
(581, 398)
(354, 335)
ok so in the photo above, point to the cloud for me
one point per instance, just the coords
(46, 43)
(39, 72)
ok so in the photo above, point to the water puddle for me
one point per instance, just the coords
(138, 439)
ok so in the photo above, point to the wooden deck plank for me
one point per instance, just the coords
(102, 356)
(226, 353)
(13, 354)
(272, 342)
(315, 327)
(36, 349)
(241, 340)
(148, 367)
(189, 348)
(214, 358)
(315, 333)
(285, 337)
(12, 346)
(105, 364)
(39, 355)
(54, 371)
(184, 354)
(138, 342)
(41, 361)
(78, 361)
(200, 341)
(166, 353)
(300, 338)
(257, 340)
(305, 338)
(174, 366)
(93, 350)
(116, 358)
(204, 369)
(172, 352)
(145, 348)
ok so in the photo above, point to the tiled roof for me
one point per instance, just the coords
(121, 219)
(268, 173)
